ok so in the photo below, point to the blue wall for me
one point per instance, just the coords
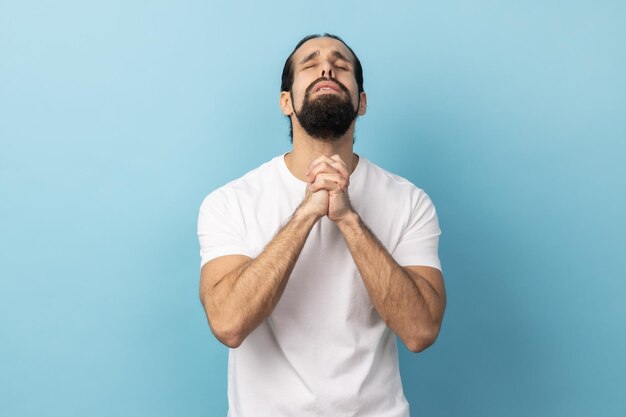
(118, 117)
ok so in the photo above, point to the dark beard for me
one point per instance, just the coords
(328, 116)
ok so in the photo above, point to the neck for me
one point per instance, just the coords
(306, 149)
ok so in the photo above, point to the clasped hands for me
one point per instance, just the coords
(328, 179)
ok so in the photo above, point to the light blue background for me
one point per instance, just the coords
(118, 117)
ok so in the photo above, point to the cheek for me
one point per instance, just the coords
(351, 85)
(301, 88)
(354, 92)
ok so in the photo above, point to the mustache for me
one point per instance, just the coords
(343, 87)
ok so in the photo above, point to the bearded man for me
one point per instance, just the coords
(314, 261)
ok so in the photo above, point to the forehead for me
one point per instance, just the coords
(323, 45)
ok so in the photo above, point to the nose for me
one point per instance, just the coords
(327, 69)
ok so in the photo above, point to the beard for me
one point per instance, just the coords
(328, 116)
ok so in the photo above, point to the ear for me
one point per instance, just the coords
(363, 104)
(285, 103)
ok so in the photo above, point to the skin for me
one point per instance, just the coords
(238, 292)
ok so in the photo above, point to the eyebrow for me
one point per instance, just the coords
(312, 55)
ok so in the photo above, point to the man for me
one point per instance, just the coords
(314, 260)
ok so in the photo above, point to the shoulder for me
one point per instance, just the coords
(248, 184)
(393, 185)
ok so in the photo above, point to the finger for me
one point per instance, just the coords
(340, 166)
(322, 158)
(333, 166)
(336, 178)
(321, 186)
(317, 161)
(320, 167)
(325, 184)
(338, 159)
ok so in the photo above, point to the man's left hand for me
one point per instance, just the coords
(331, 174)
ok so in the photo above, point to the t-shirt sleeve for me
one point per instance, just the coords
(419, 242)
(219, 231)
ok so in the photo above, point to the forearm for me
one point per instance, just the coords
(246, 296)
(408, 307)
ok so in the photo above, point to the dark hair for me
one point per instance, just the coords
(287, 77)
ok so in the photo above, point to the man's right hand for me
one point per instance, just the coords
(315, 203)
(238, 292)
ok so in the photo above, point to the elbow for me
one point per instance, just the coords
(230, 336)
(222, 326)
(231, 341)
(225, 330)
(417, 346)
(422, 341)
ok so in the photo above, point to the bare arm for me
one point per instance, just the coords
(411, 300)
(238, 293)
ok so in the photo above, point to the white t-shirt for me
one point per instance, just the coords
(324, 350)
